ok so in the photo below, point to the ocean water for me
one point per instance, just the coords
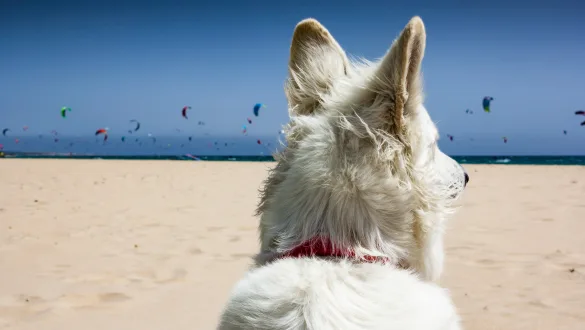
(204, 148)
(499, 160)
(522, 160)
(141, 145)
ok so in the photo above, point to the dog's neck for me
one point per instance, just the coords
(322, 247)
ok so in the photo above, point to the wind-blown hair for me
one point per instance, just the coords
(361, 165)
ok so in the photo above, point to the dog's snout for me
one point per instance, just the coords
(466, 178)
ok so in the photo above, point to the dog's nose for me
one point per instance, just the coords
(466, 178)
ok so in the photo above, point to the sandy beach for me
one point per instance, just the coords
(95, 244)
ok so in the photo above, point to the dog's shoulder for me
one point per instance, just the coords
(323, 294)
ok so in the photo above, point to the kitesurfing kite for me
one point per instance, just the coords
(102, 131)
(581, 112)
(4, 131)
(486, 103)
(64, 111)
(137, 127)
(469, 111)
(184, 111)
(257, 107)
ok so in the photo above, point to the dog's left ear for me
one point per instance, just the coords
(316, 60)
(396, 87)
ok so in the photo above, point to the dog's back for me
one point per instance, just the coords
(319, 294)
(353, 214)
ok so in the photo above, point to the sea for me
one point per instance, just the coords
(211, 149)
(500, 160)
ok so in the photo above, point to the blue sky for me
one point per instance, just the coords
(112, 61)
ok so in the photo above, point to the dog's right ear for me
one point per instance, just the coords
(316, 60)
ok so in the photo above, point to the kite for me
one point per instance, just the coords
(4, 131)
(137, 124)
(257, 107)
(486, 103)
(64, 111)
(581, 112)
(184, 111)
(103, 131)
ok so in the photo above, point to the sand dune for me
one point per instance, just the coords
(159, 245)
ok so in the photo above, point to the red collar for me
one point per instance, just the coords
(322, 247)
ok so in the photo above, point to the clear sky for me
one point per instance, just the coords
(115, 60)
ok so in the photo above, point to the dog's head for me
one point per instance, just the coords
(361, 165)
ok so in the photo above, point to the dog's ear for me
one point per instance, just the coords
(316, 60)
(396, 87)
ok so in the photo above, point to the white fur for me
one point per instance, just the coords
(363, 169)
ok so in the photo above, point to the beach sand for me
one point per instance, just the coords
(95, 244)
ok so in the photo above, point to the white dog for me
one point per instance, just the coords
(353, 214)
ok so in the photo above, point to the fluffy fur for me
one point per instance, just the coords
(362, 168)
